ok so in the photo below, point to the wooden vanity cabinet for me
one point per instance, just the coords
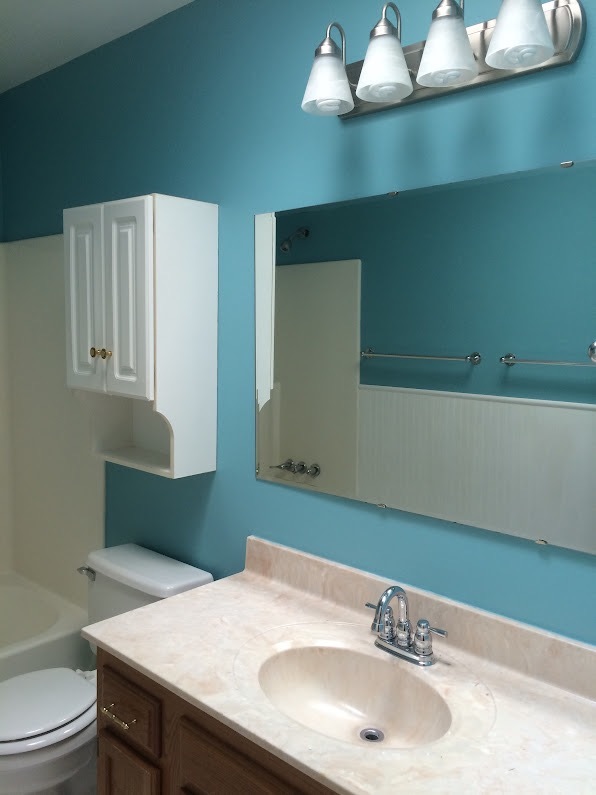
(152, 742)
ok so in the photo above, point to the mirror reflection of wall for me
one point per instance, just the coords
(498, 266)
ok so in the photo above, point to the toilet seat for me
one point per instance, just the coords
(42, 708)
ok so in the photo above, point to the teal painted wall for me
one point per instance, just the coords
(205, 103)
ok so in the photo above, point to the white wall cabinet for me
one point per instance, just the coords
(110, 267)
(141, 298)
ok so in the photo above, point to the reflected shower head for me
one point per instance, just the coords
(301, 233)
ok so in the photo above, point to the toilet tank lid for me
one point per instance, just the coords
(147, 571)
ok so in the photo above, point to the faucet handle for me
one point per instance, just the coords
(376, 624)
(424, 628)
(442, 632)
(386, 628)
(422, 637)
(287, 465)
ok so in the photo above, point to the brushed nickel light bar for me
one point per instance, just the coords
(527, 36)
(567, 25)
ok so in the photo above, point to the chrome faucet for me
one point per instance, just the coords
(397, 637)
(384, 623)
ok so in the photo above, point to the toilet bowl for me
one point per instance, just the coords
(48, 725)
(47, 729)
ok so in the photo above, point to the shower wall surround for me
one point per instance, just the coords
(54, 484)
(158, 110)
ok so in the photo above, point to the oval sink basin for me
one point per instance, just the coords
(354, 697)
(330, 678)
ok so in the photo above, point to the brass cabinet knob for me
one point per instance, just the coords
(93, 352)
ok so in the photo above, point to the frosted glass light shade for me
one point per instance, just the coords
(521, 36)
(447, 59)
(327, 91)
(384, 76)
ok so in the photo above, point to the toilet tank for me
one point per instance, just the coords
(130, 576)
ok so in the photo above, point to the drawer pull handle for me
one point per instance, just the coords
(116, 719)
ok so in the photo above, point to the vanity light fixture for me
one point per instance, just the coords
(385, 76)
(328, 91)
(448, 58)
(527, 36)
(521, 36)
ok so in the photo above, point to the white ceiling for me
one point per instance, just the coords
(39, 35)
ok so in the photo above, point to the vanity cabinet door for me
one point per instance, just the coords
(120, 771)
(209, 758)
(206, 766)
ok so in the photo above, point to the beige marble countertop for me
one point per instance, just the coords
(537, 733)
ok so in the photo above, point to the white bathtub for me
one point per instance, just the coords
(38, 629)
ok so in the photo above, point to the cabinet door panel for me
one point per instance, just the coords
(120, 771)
(206, 766)
(128, 232)
(85, 320)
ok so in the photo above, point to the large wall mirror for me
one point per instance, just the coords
(432, 350)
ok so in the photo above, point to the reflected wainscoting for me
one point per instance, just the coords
(516, 466)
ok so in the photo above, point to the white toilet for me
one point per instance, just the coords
(48, 718)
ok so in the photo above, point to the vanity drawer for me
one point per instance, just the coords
(130, 711)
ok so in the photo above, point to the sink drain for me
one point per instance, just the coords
(372, 735)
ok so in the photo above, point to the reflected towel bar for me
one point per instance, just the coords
(509, 359)
(473, 358)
